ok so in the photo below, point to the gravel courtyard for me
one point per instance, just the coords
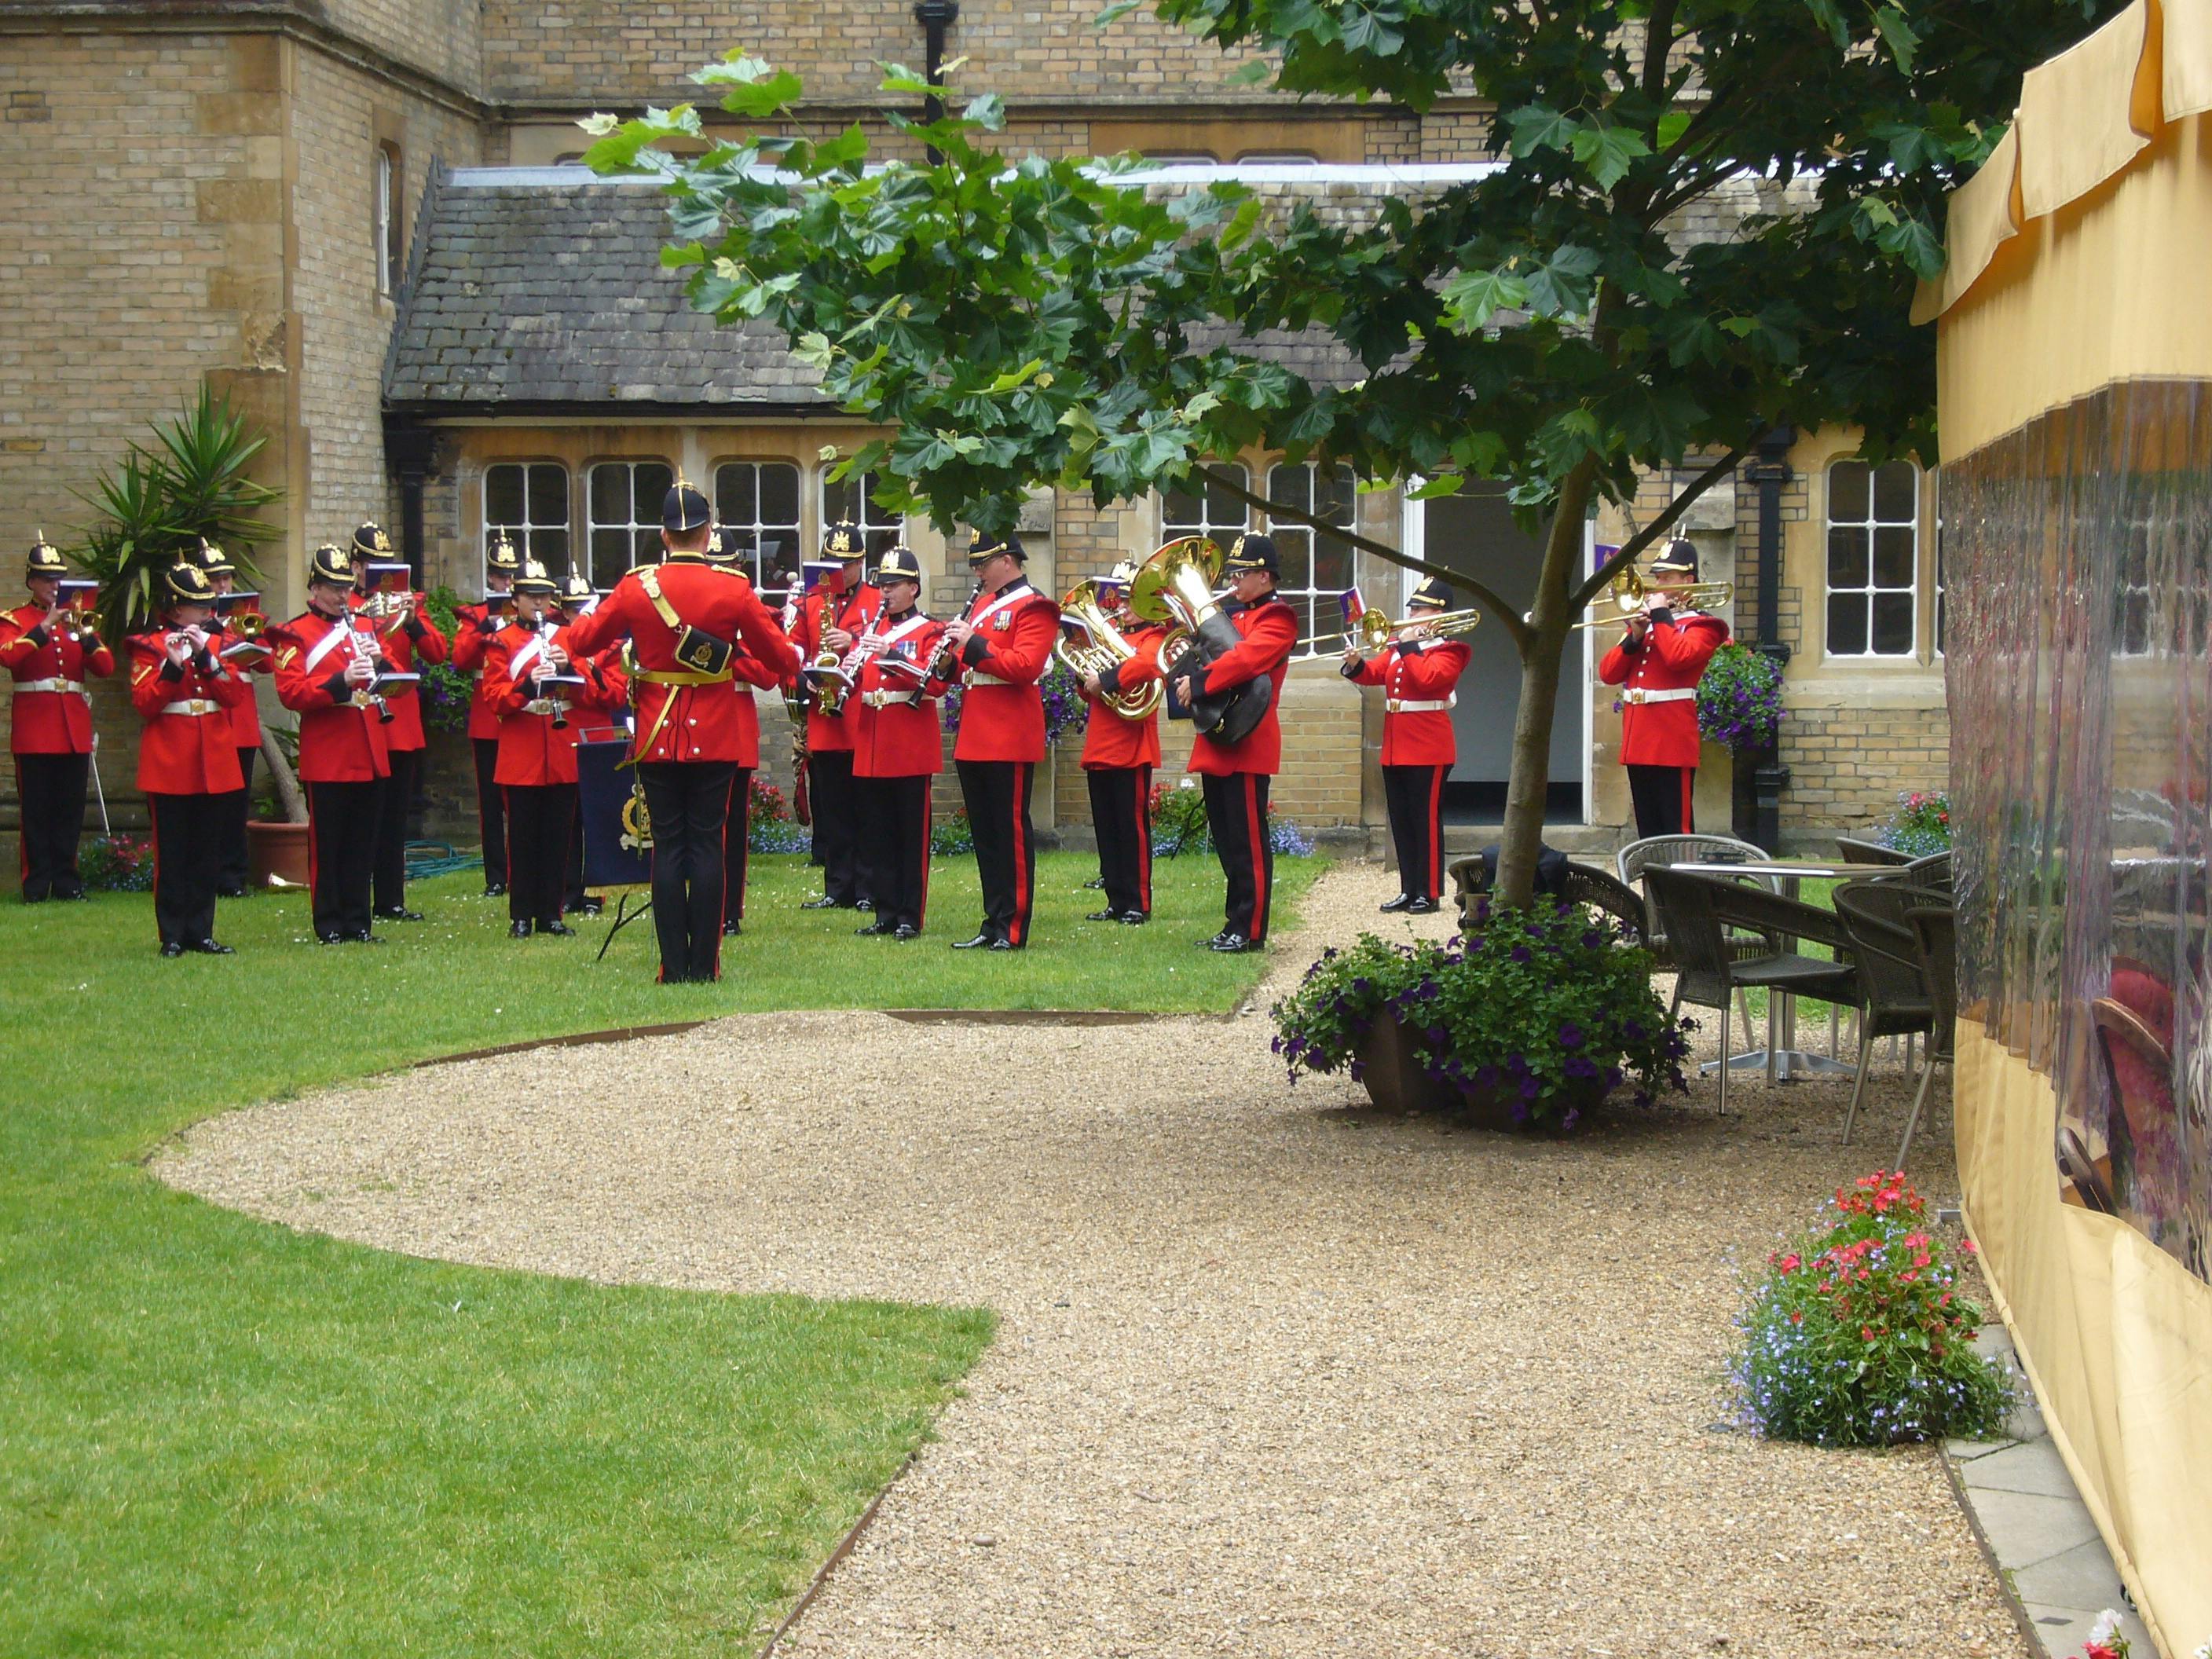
(1276, 1375)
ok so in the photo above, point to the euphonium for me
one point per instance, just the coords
(1101, 650)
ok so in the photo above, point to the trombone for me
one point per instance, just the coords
(1631, 597)
(1377, 628)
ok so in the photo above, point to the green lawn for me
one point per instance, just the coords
(220, 1437)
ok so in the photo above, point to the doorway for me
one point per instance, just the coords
(1474, 531)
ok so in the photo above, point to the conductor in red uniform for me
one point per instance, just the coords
(414, 642)
(1236, 775)
(747, 672)
(683, 618)
(327, 662)
(49, 725)
(187, 763)
(536, 755)
(1119, 754)
(244, 656)
(1658, 663)
(897, 749)
(832, 621)
(1003, 643)
(473, 627)
(1418, 675)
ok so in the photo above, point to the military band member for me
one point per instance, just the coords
(747, 672)
(1418, 675)
(1003, 643)
(1119, 755)
(600, 709)
(473, 627)
(187, 760)
(410, 642)
(50, 653)
(536, 754)
(327, 663)
(1235, 776)
(897, 748)
(1660, 660)
(685, 619)
(245, 657)
(832, 621)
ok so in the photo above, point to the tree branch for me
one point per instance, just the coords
(1635, 544)
(1658, 46)
(1508, 618)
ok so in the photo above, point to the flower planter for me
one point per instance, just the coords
(1394, 1076)
(278, 850)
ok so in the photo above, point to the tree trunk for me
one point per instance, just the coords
(288, 785)
(1549, 623)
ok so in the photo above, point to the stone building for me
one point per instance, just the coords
(355, 218)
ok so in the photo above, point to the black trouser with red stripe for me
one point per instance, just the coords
(232, 866)
(188, 847)
(835, 813)
(736, 844)
(491, 810)
(342, 854)
(539, 818)
(1236, 819)
(1414, 796)
(51, 790)
(392, 829)
(895, 844)
(689, 802)
(997, 793)
(1121, 813)
(1663, 797)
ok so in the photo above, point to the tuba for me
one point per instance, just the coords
(1101, 648)
(1176, 586)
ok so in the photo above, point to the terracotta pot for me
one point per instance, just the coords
(1394, 1076)
(277, 850)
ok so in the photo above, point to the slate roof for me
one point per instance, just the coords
(538, 287)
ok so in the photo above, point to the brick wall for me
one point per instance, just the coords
(442, 39)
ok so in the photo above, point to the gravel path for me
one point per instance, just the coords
(1276, 1375)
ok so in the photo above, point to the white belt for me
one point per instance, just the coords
(977, 677)
(193, 705)
(887, 699)
(1637, 694)
(1434, 706)
(76, 686)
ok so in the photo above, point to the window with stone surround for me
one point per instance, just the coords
(853, 501)
(386, 230)
(1874, 560)
(1316, 566)
(757, 504)
(528, 502)
(625, 517)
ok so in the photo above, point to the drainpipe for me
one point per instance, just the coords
(1771, 472)
(935, 16)
(410, 450)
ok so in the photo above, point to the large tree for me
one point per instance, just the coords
(1547, 324)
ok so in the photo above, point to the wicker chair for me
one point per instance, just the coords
(1868, 852)
(1934, 871)
(1633, 859)
(1698, 912)
(1894, 991)
(1935, 931)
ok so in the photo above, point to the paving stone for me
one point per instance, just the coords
(2027, 1528)
(2029, 1466)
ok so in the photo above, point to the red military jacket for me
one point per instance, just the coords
(341, 740)
(469, 642)
(1002, 714)
(684, 720)
(898, 734)
(602, 704)
(1270, 630)
(410, 649)
(854, 610)
(532, 749)
(1110, 741)
(186, 748)
(1659, 701)
(243, 717)
(48, 720)
(1420, 672)
(746, 671)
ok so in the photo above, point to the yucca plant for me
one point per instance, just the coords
(160, 501)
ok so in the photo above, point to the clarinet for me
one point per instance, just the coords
(947, 662)
(545, 632)
(354, 626)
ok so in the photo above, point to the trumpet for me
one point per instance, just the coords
(1101, 650)
(1375, 628)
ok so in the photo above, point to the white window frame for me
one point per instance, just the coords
(386, 227)
(644, 535)
(1224, 531)
(525, 536)
(1316, 623)
(1873, 523)
(757, 526)
(880, 529)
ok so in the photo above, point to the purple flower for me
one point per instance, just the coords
(1523, 953)
(1570, 1036)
